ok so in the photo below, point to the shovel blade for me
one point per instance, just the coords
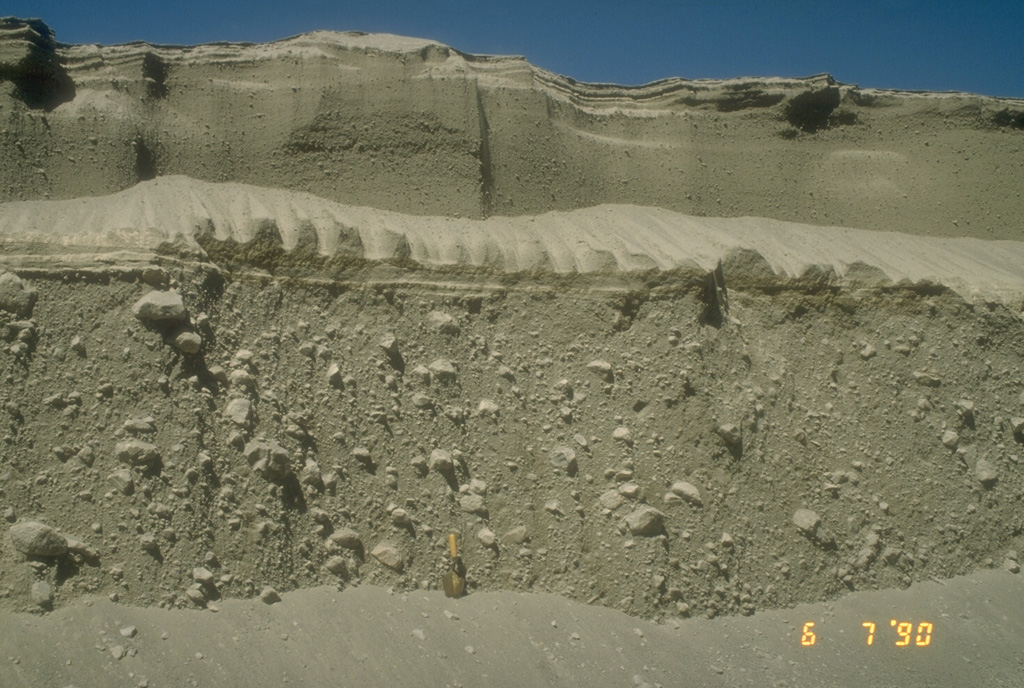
(454, 584)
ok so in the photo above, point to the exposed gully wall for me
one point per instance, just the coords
(417, 127)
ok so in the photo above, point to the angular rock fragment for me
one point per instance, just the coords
(441, 462)
(161, 308)
(622, 434)
(242, 380)
(388, 555)
(421, 374)
(422, 401)
(965, 409)
(347, 538)
(487, 408)
(239, 412)
(137, 453)
(553, 507)
(646, 521)
(473, 504)
(76, 546)
(730, 433)
(444, 370)
(269, 596)
(311, 476)
(688, 492)
(338, 566)
(363, 456)
(443, 323)
(1017, 425)
(140, 426)
(390, 345)
(564, 459)
(950, 439)
(122, 481)
(334, 377)
(807, 521)
(602, 368)
(196, 594)
(204, 577)
(515, 536)
(986, 473)
(268, 459)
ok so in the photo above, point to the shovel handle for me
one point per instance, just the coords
(451, 545)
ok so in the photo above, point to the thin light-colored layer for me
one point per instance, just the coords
(602, 239)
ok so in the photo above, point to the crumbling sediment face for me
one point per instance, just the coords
(29, 61)
(291, 446)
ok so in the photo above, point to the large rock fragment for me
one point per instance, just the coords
(564, 459)
(42, 594)
(730, 433)
(16, 296)
(347, 539)
(35, 539)
(338, 566)
(444, 370)
(473, 504)
(239, 412)
(986, 473)
(611, 500)
(122, 481)
(645, 521)
(602, 368)
(188, 342)
(441, 462)
(807, 521)
(688, 492)
(161, 308)
(137, 453)
(443, 323)
(269, 460)
(1017, 425)
(389, 555)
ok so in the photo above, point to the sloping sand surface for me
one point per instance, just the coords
(608, 238)
(365, 636)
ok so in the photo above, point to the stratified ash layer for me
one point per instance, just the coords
(417, 127)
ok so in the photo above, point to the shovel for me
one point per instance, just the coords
(454, 581)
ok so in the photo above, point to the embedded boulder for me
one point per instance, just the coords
(16, 296)
(645, 521)
(161, 308)
(35, 539)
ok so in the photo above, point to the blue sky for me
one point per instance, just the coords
(907, 44)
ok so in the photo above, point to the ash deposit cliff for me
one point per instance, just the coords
(417, 127)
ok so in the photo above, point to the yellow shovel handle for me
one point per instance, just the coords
(451, 545)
